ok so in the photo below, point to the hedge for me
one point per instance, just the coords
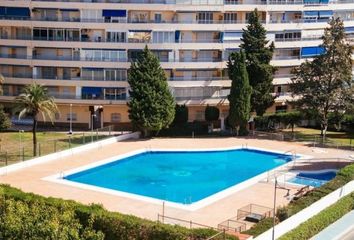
(92, 220)
(322, 220)
(260, 228)
(343, 176)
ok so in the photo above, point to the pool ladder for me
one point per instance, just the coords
(245, 145)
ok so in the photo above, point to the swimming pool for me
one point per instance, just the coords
(314, 179)
(183, 177)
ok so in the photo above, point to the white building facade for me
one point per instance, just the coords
(81, 49)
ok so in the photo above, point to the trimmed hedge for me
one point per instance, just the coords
(343, 176)
(322, 220)
(94, 219)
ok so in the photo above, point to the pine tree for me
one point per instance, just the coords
(240, 94)
(151, 107)
(258, 57)
(325, 84)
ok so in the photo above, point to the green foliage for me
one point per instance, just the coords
(240, 93)
(186, 129)
(348, 121)
(181, 114)
(37, 217)
(211, 113)
(322, 220)
(152, 106)
(5, 122)
(260, 227)
(258, 57)
(343, 176)
(325, 83)
(37, 220)
(266, 122)
(33, 101)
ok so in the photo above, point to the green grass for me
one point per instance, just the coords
(15, 146)
(309, 134)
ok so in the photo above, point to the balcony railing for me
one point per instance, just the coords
(207, 2)
(78, 97)
(198, 78)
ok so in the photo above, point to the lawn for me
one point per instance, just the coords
(310, 134)
(15, 146)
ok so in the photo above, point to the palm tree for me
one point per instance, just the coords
(31, 102)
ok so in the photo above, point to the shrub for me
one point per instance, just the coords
(211, 113)
(260, 227)
(40, 216)
(5, 122)
(320, 221)
(181, 115)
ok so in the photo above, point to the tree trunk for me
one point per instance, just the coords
(34, 136)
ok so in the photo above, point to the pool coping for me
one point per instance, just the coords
(59, 177)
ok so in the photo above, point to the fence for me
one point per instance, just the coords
(312, 140)
(232, 225)
(190, 224)
(24, 150)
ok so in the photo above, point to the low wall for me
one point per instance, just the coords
(302, 216)
(68, 152)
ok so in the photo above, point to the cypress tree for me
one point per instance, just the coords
(258, 57)
(240, 94)
(152, 106)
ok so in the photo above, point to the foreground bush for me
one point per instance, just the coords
(260, 227)
(343, 176)
(30, 216)
(322, 220)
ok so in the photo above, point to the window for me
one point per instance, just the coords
(205, 17)
(116, 36)
(282, 108)
(158, 17)
(73, 117)
(115, 117)
(163, 37)
(230, 17)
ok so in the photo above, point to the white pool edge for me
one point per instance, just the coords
(59, 178)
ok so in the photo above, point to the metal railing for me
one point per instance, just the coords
(23, 150)
(191, 225)
(232, 225)
(312, 140)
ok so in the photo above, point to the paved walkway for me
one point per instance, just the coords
(29, 179)
(342, 229)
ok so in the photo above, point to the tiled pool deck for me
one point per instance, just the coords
(30, 179)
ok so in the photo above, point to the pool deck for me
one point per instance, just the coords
(30, 179)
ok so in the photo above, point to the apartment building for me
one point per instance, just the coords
(81, 49)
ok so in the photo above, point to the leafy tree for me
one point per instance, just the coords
(258, 57)
(324, 85)
(34, 101)
(290, 118)
(181, 114)
(152, 106)
(240, 94)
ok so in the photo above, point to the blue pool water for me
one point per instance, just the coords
(181, 177)
(313, 179)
